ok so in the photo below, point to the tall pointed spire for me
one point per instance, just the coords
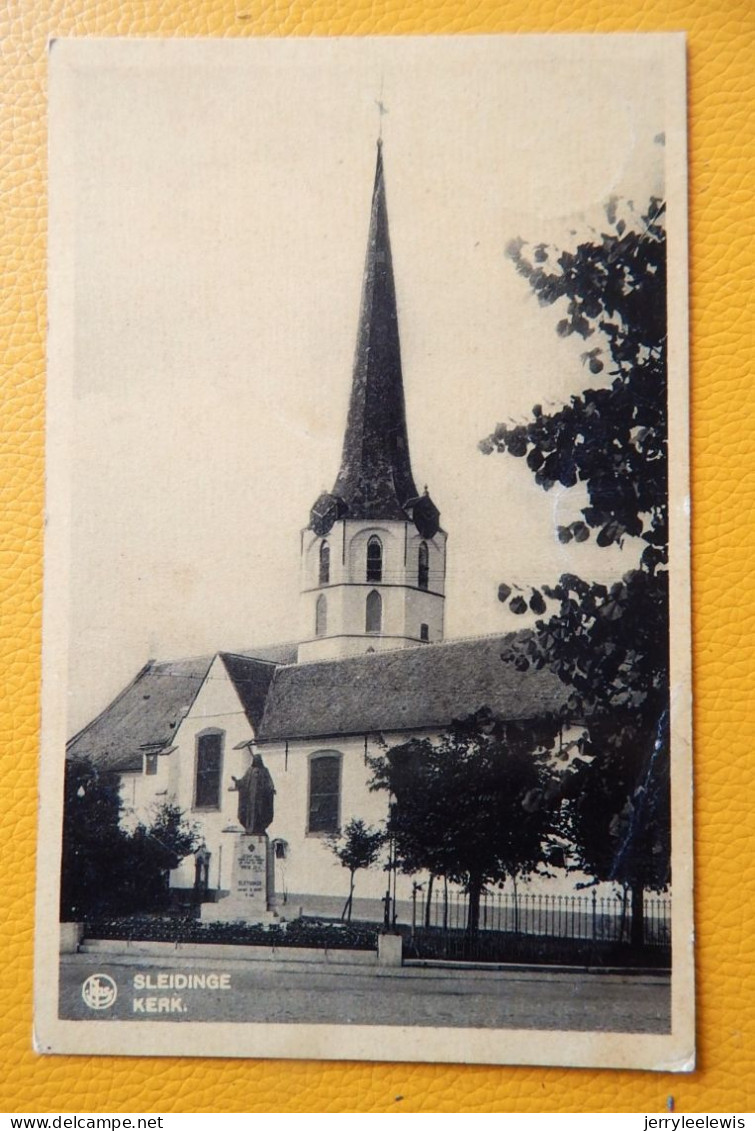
(375, 480)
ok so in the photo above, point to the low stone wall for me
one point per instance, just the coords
(335, 957)
(71, 935)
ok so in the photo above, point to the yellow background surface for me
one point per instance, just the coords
(722, 78)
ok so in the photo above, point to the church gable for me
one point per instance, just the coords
(251, 679)
(211, 744)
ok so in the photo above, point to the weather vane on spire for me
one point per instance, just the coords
(382, 111)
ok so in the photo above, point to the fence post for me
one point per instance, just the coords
(594, 912)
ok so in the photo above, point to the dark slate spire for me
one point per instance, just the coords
(375, 480)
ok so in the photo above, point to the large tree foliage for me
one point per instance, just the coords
(609, 644)
(93, 841)
(475, 807)
(611, 438)
(107, 869)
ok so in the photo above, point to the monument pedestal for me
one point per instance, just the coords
(252, 885)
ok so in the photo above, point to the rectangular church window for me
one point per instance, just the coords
(150, 764)
(324, 794)
(209, 762)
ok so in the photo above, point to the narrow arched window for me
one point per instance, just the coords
(208, 769)
(324, 793)
(324, 563)
(374, 612)
(374, 559)
(321, 615)
(423, 566)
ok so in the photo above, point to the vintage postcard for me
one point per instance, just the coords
(366, 721)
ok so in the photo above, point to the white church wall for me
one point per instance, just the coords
(310, 563)
(331, 643)
(216, 708)
(310, 868)
(304, 864)
(423, 608)
(405, 606)
(143, 792)
(130, 788)
(392, 631)
(391, 538)
(436, 560)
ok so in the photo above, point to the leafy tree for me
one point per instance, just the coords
(155, 849)
(356, 846)
(474, 807)
(93, 841)
(609, 644)
(619, 811)
(612, 439)
(107, 869)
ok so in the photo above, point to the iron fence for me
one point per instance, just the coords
(589, 917)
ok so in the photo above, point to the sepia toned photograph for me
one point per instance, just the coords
(366, 694)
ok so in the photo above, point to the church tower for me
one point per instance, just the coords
(373, 554)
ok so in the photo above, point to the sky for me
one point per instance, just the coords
(210, 206)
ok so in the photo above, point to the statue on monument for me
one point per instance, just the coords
(256, 792)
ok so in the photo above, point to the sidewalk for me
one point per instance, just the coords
(285, 992)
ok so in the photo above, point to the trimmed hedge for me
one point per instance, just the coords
(314, 933)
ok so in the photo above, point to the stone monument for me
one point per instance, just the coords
(252, 877)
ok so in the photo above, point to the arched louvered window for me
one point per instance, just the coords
(423, 566)
(321, 615)
(374, 559)
(374, 612)
(324, 574)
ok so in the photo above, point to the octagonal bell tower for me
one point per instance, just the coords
(373, 554)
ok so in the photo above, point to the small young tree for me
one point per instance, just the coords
(356, 846)
(475, 807)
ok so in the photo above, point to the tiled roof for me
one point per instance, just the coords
(145, 716)
(409, 689)
(252, 679)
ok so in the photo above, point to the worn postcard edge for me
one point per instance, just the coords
(672, 1052)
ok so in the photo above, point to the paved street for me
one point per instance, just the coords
(160, 989)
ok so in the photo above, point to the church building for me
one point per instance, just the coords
(371, 664)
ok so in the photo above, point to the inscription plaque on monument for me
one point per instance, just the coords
(251, 884)
(250, 868)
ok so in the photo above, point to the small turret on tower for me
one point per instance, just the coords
(373, 552)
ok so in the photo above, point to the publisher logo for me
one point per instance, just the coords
(99, 991)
